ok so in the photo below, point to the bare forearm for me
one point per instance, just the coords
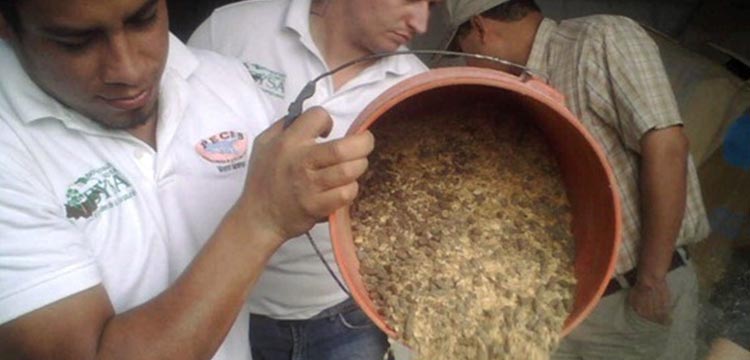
(292, 180)
(191, 318)
(663, 184)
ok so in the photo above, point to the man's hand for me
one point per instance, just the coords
(652, 302)
(663, 189)
(293, 181)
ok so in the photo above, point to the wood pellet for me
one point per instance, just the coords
(463, 234)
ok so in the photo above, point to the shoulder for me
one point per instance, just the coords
(609, 39)
(252, 7)
(216, 67)
(609, 28)
(191, 64)
(223, 72)
(23, 180)
(248, 12)
(11, 140)
(609, 22)
(230, 80)
(233, 27)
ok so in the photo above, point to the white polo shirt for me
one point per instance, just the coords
(272, 38)
(81, 205)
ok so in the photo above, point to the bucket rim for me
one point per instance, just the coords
(434, 79)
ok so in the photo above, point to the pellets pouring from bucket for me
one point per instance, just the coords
(489, 223)
(463, 235)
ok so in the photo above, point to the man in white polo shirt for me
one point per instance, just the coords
(134, 219)
(298, 308)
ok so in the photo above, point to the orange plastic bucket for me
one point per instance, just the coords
(586, 174)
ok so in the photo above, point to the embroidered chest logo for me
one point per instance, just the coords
(227, 149)
(99, 190)
(270, 81)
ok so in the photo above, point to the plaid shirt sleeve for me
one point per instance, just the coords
(634, 93)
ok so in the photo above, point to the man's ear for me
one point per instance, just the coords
(478, 23)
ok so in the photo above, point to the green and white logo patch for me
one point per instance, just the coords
(270, 81)
(97, 191)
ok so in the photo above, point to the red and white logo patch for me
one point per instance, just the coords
(224, 147)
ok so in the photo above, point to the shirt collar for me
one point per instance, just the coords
(298, 20)
(180, 58)
(398, 65)
(537, 58)
(30, 103)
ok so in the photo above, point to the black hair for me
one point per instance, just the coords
(512, 10)
(9, 12)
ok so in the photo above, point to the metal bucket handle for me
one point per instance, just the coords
(295, 108)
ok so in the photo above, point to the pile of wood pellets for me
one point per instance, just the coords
(462, 230)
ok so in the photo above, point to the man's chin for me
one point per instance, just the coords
(126, 124)
(127, 121)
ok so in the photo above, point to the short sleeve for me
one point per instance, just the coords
(629, 88)
(43, 257)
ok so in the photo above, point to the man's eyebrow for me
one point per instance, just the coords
(66, 31)
(142, 11)
(69, 31)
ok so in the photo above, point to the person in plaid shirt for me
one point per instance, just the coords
(613, 79)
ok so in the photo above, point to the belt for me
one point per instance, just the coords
(343, 307)
(628, 279)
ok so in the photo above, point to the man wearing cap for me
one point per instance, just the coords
(613, 80)
(298, 307)
(134, 219)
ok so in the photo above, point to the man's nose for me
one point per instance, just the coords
(420, 17)
(120, 61)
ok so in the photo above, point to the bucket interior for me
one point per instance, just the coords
(586, 178)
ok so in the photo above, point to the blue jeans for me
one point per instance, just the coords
(341, 332)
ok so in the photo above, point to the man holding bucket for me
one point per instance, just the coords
(134, 219)
(613, 79)
(298, 306)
